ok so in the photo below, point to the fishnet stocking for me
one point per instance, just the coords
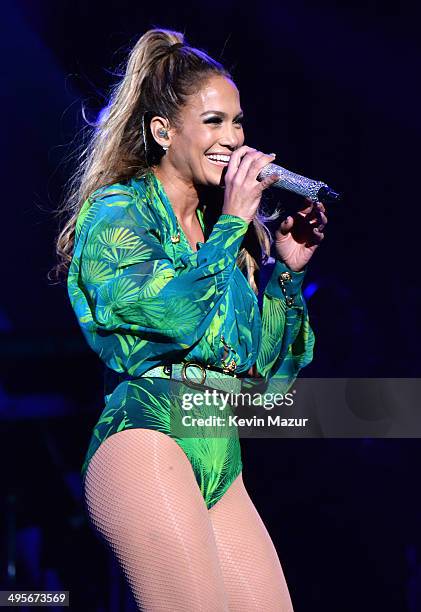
(253, 577)
(142, 496)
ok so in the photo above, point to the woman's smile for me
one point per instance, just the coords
(218, 159)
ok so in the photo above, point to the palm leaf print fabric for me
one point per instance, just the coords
(143, 299)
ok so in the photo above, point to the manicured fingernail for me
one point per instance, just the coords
(272, 154)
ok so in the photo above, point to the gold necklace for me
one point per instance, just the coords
(177, 237)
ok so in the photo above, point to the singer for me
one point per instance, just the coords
(163, 241)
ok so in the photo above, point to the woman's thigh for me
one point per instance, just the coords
(142, 496)
(252, 572)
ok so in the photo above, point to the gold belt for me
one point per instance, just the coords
(196, 374)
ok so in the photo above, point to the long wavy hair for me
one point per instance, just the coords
(157, 80)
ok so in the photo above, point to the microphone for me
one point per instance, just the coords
(315, 190)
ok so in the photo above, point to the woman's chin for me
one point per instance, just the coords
(213, 181)
(213, 177)
(217, 177)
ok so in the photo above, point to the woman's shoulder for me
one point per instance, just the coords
(121, 193)
(119, 204)
(115, 194)
(108, 204)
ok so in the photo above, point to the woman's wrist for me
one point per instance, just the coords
(288, 267)
(285, 283)
(229, 214)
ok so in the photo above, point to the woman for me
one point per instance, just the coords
(156, 285)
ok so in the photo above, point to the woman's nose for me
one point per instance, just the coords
(231, 137)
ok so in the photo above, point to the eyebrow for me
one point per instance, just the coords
(222, 114)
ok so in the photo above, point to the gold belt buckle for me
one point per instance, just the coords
(184, 374)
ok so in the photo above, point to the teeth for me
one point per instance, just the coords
(221, 158)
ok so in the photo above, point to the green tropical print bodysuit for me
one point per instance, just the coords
(143, 297)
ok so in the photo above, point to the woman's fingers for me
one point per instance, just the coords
(307, 224)
(250, 167)
(306, 211)
(235, 161)
(242, 190)
(257, 164)
(318, 234)
(269, 180)
(323, 218)
(286, 225)
(245, 163)
(314, 214)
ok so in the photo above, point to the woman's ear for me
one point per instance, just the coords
(160, 131)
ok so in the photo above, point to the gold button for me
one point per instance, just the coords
(285, 276)
(230, 367)
(176, 238)
(289, 300)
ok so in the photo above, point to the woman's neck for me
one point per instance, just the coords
(184, 197)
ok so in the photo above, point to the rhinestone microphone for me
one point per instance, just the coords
(315, 190)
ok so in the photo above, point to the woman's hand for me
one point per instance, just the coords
(298, 237)
(243, 191)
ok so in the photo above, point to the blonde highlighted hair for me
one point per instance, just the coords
(157, 80)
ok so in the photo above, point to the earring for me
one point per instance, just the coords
(164, 134)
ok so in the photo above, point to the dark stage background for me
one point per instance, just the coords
(333, 89)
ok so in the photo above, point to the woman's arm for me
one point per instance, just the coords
(287, 338)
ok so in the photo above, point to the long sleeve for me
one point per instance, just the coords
(287, 338)
(134, 308)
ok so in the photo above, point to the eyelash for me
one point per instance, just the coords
(219, 120)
